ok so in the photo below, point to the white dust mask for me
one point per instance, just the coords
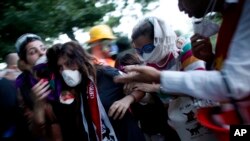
(41, 60)
(71, 77)
(206, 27)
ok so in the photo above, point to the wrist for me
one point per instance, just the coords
(138, 95)
(158, 77)
(133, 98)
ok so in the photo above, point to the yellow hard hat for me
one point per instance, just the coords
(99, 32)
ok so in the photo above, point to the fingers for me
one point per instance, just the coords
(117, 110)
(44, 95)
(37, 85)
(41, 90)
(139, 87)
(122, 113)
(139, 74)
(126, 78)
(112, 109)
(196, 37)
(135, 68)
(128, 88)
(130, 68)
(198, 47)
(198, 40)
(142, 85)
(146, 88)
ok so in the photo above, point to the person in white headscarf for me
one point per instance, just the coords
(159, 38)
(155, 41)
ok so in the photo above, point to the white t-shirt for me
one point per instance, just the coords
(182, 118)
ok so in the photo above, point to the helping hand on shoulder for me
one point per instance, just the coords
(137, 73)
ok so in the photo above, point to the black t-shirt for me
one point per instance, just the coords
(70, 118)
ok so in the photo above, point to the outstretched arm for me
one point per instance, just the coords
(137, 73)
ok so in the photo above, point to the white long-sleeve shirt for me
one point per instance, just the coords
(210, 84)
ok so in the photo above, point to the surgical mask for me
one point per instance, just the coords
(71, 77)
(41, 69)
(206, 27)
(41, 60)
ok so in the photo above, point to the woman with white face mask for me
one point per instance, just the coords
(33, 86)
(86, 92)
(155, 41)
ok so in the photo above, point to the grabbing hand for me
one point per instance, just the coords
(139, 74)
(41, 90)
(145, 87)
(202, 47)
(128, 88)
(119, 108)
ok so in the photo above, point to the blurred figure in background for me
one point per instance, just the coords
(9, 110)
(181, 41)
(11, 71)
(8, 103)
(102, 44)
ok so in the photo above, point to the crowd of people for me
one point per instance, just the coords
(155, 87)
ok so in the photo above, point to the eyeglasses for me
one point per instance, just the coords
(148, 48)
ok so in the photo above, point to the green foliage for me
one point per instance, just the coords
(47, 18)
(113, 21)
(50, 18)
(144, 4)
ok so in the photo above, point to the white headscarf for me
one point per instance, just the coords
(164, 40)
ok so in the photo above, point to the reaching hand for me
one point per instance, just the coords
(202, 47)
(119, 108)
(139, 74)
(128, 88)
(145, 87)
